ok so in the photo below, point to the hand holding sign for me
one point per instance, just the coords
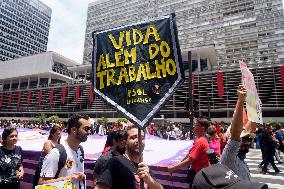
(78, 176)
(242, 93)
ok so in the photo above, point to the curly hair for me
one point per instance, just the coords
(74, 121)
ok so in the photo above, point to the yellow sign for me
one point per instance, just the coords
(57, 185)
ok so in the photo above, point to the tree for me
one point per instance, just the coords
(102, 120)
(41, 117)
(55, 119)
(121, 120)
(273, 122)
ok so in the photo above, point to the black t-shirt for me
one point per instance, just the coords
(10, 161)
(101, 163)
(121, 173)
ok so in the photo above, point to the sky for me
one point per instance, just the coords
(67, 27)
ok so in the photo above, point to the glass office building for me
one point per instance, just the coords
(24, 28)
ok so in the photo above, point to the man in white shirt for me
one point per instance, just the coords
(78, 129)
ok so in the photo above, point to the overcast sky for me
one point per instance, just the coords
(67, 27)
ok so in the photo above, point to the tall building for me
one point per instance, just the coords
(225, 30)
(24, 28)
(218, 33)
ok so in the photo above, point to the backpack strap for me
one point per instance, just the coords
(82, 151)
(62, 158)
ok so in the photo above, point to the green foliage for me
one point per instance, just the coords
(41, 117)
(121, 120)
(54, 118)
(102, 120)
(273, 122)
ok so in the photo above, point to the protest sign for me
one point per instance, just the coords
(253, 103)
(137, 68)
(57, 185)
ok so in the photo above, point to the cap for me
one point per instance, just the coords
(221, 177)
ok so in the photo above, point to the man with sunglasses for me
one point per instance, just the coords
(78, 129)
(236, 149)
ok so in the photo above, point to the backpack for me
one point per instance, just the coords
(61, 162)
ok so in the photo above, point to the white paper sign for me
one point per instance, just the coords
(253, 103)
(57, 185)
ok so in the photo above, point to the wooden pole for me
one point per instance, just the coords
(190, 96)
(140, 154)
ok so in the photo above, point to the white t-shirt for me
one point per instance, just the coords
(74, 164)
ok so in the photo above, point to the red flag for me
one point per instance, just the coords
(1, 99)
(51, 95)
(19, 97)
(63, 94)
(40, 96)
(220, 83)
(29, 97)
(77, 93)
(91, 94)
(282, 75)
(10, 98)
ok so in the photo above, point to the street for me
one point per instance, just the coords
(274, 181)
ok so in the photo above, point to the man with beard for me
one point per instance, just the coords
(125, 171)
(119, 138)
(78, 129)
(237, 147)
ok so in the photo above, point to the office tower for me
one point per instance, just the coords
(24, 28)
(218, 32)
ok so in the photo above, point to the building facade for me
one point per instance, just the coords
(219, 33)
(248, 30)
(24, 28)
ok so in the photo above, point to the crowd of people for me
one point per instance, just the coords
(217, 157)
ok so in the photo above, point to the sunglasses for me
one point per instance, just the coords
(87, 129)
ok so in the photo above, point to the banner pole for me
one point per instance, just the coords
(190, 96)
(140, 154)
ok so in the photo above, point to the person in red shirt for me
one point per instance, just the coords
(197, 157)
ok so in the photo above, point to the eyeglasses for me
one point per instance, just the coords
(87, 129)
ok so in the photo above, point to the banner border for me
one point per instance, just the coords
(158, 106)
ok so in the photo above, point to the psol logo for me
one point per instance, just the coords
(156, 89)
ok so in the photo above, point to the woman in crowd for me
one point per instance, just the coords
(53, 139)
(11, 168)
(214, 144)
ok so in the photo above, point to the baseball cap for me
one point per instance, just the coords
(221, 177)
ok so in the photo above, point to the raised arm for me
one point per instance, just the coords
(231, 150)
(237, 121)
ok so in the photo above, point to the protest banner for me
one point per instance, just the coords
(57, 185)
(137, 68)
(253, 102)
